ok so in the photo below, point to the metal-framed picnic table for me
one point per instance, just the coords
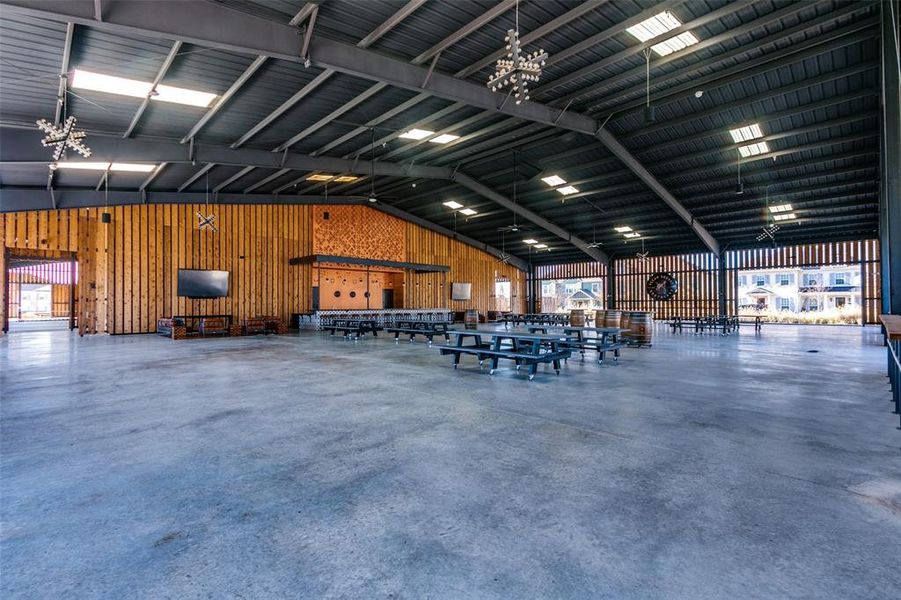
(529, 349)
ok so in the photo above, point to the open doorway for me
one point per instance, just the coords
(40, 293)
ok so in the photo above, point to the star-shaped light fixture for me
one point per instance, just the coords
(516, 70)
(63, 137)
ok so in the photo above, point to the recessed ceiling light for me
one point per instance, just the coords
(753, 149)
(783, 217)
(467, 211)
(622, 229)
(658, 25)
(566, 191)
(743, 134)
(632, 235)
(530, 241)
(541, 246)
(416, 134)
(553, 180)
(98, 82)
(320, 177)
(105, 166)
(444, 138)
(781, 208)
(453, 205)
(346, 179)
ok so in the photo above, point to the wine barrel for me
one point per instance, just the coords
(612, 318)
(577, 317)
(599, 317)
(641, 326)
(625, 322)
(471, 319)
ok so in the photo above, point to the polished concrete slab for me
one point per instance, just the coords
(309, 466)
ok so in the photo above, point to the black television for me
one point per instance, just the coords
(196, 283)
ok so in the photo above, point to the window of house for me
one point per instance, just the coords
(595, 287)
(810, 280)
(784, 279)
(840, 302)
(784, 304)
(840, 279)
(742, 281)
(812, 304)
(760, 280)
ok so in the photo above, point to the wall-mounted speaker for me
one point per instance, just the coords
(106, 218)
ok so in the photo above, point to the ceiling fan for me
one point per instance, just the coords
(515, 227)
(594, 240)
(504, 257)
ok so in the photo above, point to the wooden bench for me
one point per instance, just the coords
(598, 344)
(352, 328)
(520, 358)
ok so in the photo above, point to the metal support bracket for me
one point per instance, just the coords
(428, 75)
(305, 49)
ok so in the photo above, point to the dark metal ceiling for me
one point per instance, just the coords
(807, 72)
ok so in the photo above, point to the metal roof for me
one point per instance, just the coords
(807, 72)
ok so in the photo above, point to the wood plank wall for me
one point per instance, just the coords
(467, 264)
(696, 273)
(128, 268)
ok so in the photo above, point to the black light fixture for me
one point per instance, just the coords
(106, 218)
(649, 112)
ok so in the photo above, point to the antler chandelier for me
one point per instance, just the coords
(517, 70)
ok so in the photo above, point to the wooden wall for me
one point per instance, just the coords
(467, 264)
(128, 268)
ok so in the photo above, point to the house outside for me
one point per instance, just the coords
(826, 290)
(563, 295)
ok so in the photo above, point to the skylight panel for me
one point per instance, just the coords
(453, 205)
(444, 138)
(633, 234)
(553, 180)
(785, 217)
(753, 149)
(683, 40)
(743, 134)
(781, 208)
(98, 82)
(566, 191)
(416, 134)
(656, 25)
(320, 177)
(468, 212)
(105, 166)
(530, 241)
(623, 229)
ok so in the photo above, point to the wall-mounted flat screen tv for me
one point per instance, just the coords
(461, 291)
(195, 283)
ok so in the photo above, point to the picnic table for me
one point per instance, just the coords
(529, 349)
(605, 339)
(428, 329)
(354, 328)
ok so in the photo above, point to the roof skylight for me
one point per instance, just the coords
(785, 217)
(781, 208)
(657, 26)
(566, 191)
(753, 149)
(98, 82)
(105, 166)
(623, 229)
(453, 205)
(553, 180)
(743, 134)
(444, 138)
(468, 212)
(416, 134)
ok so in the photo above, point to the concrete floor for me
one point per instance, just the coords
(307, 466)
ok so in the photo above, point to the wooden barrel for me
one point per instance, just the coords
(641, 326)
(471, 319)
(599, 317)
(577, 317)
(612, 318)
(625, 321)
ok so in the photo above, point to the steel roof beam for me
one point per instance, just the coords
(164, 68)
(64, 73)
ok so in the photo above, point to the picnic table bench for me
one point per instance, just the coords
(428, 329)
(605, 339)
(529, 349)
(726, 324)
(354, 328)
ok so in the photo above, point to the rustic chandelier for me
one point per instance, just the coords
(516, 70)
(60, 138)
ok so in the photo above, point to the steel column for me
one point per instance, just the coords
(890, 196)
